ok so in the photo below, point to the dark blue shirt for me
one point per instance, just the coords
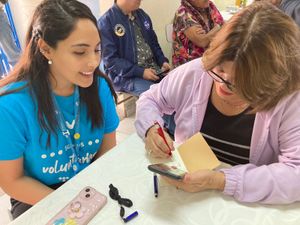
(119, 51)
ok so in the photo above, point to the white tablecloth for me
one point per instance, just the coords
(126, 168)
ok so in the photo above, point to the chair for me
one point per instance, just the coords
(169, 32)
(126, 104)
(123, 97)
(4, 66)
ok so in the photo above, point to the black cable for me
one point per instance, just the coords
(114, 194)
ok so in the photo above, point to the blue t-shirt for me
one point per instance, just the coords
(22, 136)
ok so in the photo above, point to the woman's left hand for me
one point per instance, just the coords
(200, 181)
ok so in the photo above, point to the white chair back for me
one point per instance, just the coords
(169, 32)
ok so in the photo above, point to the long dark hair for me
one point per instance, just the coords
(53, 21)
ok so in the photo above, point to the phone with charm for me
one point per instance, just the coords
(81, 209)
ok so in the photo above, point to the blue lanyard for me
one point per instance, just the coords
(74, 145)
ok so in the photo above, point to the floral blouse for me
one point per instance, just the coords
(186, 16)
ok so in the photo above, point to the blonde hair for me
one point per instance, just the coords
(263, 44)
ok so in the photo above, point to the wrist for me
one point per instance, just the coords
(147, 131)
(219, 181)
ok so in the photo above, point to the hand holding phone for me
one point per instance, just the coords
(161, 73)
(81, 209)
(167, 170)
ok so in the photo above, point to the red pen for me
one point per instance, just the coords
(161, 133)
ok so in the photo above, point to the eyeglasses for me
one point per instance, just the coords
(219, 79)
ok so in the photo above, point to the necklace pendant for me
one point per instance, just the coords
(76, 136)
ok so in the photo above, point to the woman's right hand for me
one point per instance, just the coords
(150, 74)
(155, 144)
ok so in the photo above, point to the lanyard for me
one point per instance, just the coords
(73, 143)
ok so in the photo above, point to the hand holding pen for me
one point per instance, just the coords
(158, 143)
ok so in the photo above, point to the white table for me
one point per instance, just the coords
(126, 168)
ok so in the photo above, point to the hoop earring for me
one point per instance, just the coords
(50, 62)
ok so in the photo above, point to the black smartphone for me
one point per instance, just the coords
(161, 73)
(167, 170)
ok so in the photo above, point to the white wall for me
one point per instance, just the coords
(105, 5)
(22, 11)
(221, 4)
(94, 5)
(161, 13)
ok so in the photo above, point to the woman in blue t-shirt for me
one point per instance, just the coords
(57, 109)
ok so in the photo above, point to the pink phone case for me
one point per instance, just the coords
(81, 209)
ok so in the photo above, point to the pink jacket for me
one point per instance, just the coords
(273, 174)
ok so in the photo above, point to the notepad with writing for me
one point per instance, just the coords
(194, 154)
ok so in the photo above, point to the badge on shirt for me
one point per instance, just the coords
(147, 25)
(119, 30)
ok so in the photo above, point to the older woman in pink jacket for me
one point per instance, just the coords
(244, 97)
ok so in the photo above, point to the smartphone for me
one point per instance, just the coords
(161, 73)
(81, 209)
(167, 170)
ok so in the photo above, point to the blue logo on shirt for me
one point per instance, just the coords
(147, 25)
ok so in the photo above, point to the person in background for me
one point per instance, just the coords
(132, 56)
(195, 23)
(57, 109)
(289, 7)
(243, 95)
(7, 43)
